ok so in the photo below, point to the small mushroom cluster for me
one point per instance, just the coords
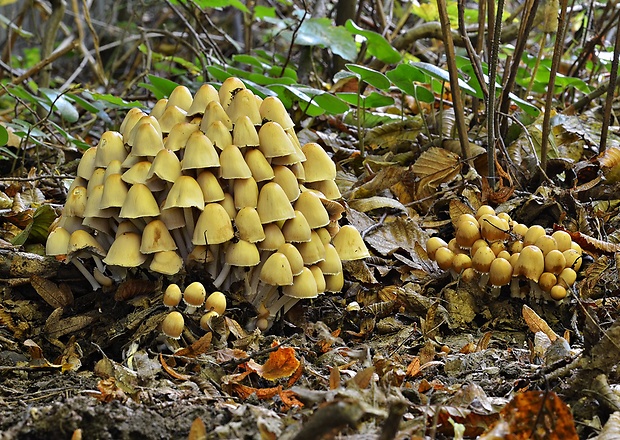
(501, 251)
(194, 297)
(219, 179)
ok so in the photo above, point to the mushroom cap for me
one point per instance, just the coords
(199, 152)
(110, 147)
(500, 273)
(462, 262)
(531, 263)
(205, 94)
(81, 240)
(294, 257)
(125, 251)
(166, 166)
(273, 204)
(296, 229)
(137, 173)
(114, 192)
(558, 292)
(249, 226)
(195, 294)
(98, 178)
(555, 261)
(180, 97)
(349, 244)
(566, 278)
(546, 243)
(573, 258)
(485, 209)
(156, 238)
(229, 87)
(332, 264)
(284, 177)
(233, 164)
(482, 259)
(272, 109)
(547, 280)
(86, 166)
(139, 202)
(114, 167)
(57, 242)
(173, 325)
(273, 238)
(328, 188)
(213, 226)
(466, 234)
(131, 119)
(172, 295)
(274, 142)
(304, 286)
(242, 253)
(258, 164)
(276, 271)
(185, 193)
(216, 302)
(520, 229)
(563, 240)
(493, 228)
(318, 277)
(147, 139)
(312, 251)
(432, 244)
(244, 133)
(171, 116)
(532, 234)
(219, 134)
(173, 218)
(310, 204)
(444, 258)
(318, 165)
(243, 104)
(178, 136)
(334, 283)
(159, 107)
(166, 262)
(210, 186)
(229, 205)
(245, 193)
(75, 204)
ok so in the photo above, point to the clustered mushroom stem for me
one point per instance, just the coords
(264, 294)
(212, 269)
(99, 264)
(254, 280)
(222, 275)
(280, 304)
(91, 279)
(189, 221)
(178, 238)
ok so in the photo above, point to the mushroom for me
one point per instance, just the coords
(194, 296)
(173, 325)
(187, 194)
(432, 244)
(172, 296)
(216, 302)
(349, 244)
(241, 254)
(205, 94)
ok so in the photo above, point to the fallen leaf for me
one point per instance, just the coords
(51, 293)
(197, 348)
(537, 324)
(197, 431)
(281, 363)
(171, 371)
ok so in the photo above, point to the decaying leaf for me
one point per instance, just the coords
(458, 208)
(37, 359)
(438, 163)
(592, 244)
(51, 293)
(132, 288)
(71, 359)
(537, 324)
(281, 363)
(197, 348)
(197, 431)
(109, 391)
(611, 430)
(168, 369)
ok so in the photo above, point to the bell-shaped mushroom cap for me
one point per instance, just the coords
(244, 133)
(81, 240)
(114, 167)
(284, 177)
(138, 173)
(273, 141)
(110, 147)
(159, 108)
(166, 262)
(93, 203)
(205, 94)
(156, 238)
(171, 117)
(229, 205)
(229, 87)
(328, 188)
(272, 109)
(216, 302)
(131, 160)
(312, 251)
(273, 238)
(200, 255)
(298, 170)
(131, 119)
(325, 236)
(147, 141)
(277, 270)
(178, 136)
(215, 112)
(296, 229)
(304, 286)
(273, 204)
(173, 325)
(311, 206)
(332, 264)
(173, 218)
(75, 203)
(219, 135)
(181, 97)
(195, 294)
(145, 135)
(233, 165)
(166, 166)
(139, 203)
(294, 257)
(97, 178)
(349, 244)
(531, 263)
(57, 242)
(244, 104)
(199, 153)
(249, 226)
(126, 226)
(185, 193)
(334, 283)
(293, 158)
(125, 251)
(245, 193)
(86, 167)
(261, 170)
(210, 186)
(172, 295)
(213, 226)
(242, 253)
(318, 277)
(318, 165)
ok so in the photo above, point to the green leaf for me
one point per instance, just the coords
(36, 231)
(528, 108)
(371, 101)
(328, 102)
(321, 32)
(4, 136)
(115, 101)
(60, 102)
(261, 12)
(443, 75)
(404, 76)
(163, 86)
(251, 61)
(202, 4)
(372, 77)
(378, 46)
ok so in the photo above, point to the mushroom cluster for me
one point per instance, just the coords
(219, 179)
(500, 251)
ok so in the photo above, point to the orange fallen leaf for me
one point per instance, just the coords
(199, 347)
(197, 431)
(413, 369)
(281, 363)
(537, 324)
(171, 371)
(109, 391)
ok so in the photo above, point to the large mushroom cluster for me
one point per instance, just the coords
(219, 179)
(499, 251)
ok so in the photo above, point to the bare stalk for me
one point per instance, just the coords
(613, 78)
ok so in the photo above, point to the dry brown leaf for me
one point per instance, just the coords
(132, 288)
(384, 179)
(197, 348)
(197, 431)
(171, 371)
(457, 208)
(611, 430)
(591, 244)
(437, 163)
(537, 324)
(362, 379)
(334, 378)
(484, 341)
(37, 360)
(51, 293)
(71, 359)
(109, 391)
(281, 363)
(413, 369)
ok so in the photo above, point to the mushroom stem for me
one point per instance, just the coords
(180, 241)
(99, 263)
(222, 275)
(91, 279)
(189, 221)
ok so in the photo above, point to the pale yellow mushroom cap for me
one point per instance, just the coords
(272, 109)
(219, 135)
(349, 244)
(274, 142)
(199, 152)
(304, 286)
(110, 147)
(249, 225)
(86, 167)
(244, 104)
(213, 226)
(195, 294)
(173, 325)
(172, 295)
(242, 253)
(156, 238)
(216, 302)
(125, 251)
(232, 164)
(185, 193)
(166, 262)
(180, 97)
(277, 270)
(139, 202)
(318, 165)
(273, 204)
(205, 94)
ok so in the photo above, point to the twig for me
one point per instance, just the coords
(613, 77)
(295, 32)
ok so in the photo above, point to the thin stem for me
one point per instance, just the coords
(613, 77)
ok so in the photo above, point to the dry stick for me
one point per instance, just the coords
(459, 111)
(613, 77)
(555, 64)
(491, 126)
(471, 52)
(49, 38)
